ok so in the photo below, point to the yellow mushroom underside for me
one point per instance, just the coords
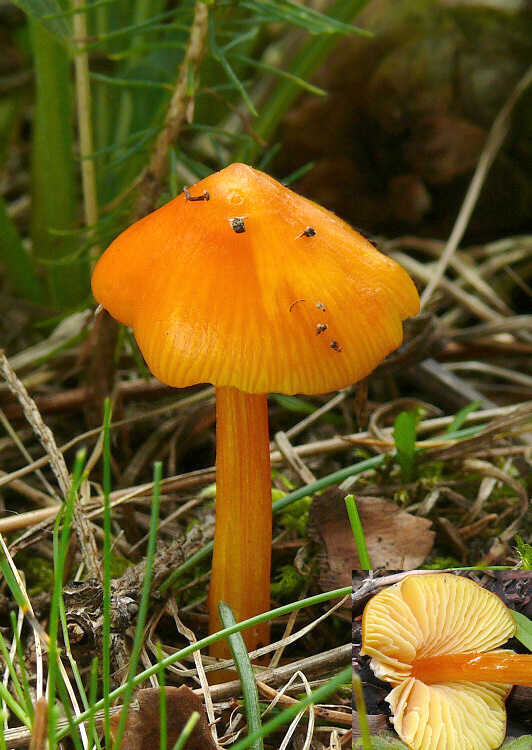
(450, 716)
(430, 615)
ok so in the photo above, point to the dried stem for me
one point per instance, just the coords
(83, 101)
(56, 460)
(493, 144)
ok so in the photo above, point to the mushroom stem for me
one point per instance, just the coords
(243, 531)
(501, 667)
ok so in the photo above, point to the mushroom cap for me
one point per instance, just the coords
(432, 615)
(449, 716)
(209, 302)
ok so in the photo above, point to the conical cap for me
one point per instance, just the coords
(209, 302)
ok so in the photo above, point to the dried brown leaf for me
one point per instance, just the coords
(142, 730)
(395, 539)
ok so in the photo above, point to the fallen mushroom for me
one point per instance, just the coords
(435, 638)
(209, 288)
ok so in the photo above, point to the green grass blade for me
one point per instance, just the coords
(107, 541)
(125, 83)
(219, 56)
(50, 12)
(187, 731)
(22, 666)
(16, 261)
(302, 66)
(93, 697)
(462, 415)
(144, 601)
(281, 73)
(3, 719)
(54, 182)
(524, 629)
(360, 705)
(358, 533)
(283, 718)
(245, 672)
(284, 11)
(12, 583)
(60, 544)
(14, 679)
(13, 706)
(404, 436)
(65, 705)
(163, 715)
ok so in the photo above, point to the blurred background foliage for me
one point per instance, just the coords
(383, 126)
(130, 55)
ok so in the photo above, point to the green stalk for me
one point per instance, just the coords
(66, 707)
(360, 705)
(16, 261)
(54, 191)
(93, 697)
(60, 543)
(187, 731)
(22, 666)
(3, 718)
(243, 666)
(319, 695)
(14, 679)
(163, 716)
(358, 532)
(107, 541)
(143, 608)
(14, 707)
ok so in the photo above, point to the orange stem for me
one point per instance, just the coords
(243, 531)
(512, 669)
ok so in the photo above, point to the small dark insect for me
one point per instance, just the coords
(295, 303)
(320, 306)
(238, 225)
(320, 328)
(367, 236)
(188, 197)
(336, 346)
(309, 232)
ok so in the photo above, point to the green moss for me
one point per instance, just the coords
(524, 552)
(119, 565)
(39, 572)
(296, 515)
(441, 563)
(287, 584)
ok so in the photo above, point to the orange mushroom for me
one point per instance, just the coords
(229, 284)
(434, 638)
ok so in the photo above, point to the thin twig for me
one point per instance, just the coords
(57, 463)
(180, 110)
(322, 713)
(83, 100)
(32, 414)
